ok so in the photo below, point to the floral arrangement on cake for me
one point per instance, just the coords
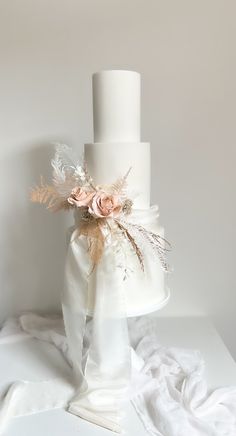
(104, 208)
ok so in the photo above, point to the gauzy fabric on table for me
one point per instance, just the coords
(168, 387)
(111, 360)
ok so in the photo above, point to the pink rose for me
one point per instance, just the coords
(104, 205)
(78, 197)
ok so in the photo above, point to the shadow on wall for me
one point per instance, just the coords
(34, 239)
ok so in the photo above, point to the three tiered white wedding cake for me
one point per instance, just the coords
(116, 148)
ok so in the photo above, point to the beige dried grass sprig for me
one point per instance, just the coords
(93, 232)
(158, 244)
(133, 243)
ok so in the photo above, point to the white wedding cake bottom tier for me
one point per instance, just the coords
(144, 289)
(128, 280)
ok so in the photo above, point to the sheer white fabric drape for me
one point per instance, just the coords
(102, 370)
(102, 365)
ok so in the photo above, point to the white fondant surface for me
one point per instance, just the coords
(108, 161)
(116, 106)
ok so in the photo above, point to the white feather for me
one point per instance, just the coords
(64, 165)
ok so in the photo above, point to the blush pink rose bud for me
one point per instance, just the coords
(79, 198)
(105, 205)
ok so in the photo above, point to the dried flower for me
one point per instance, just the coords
(105, 205)
(127, 206)
(80, 198)
(73, 187)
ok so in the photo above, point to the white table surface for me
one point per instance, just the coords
(35, 360)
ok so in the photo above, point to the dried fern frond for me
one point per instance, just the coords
(88, 179)
(133, 243)
(61, 204)
(120, 185)
(43, 193)
(47, 194)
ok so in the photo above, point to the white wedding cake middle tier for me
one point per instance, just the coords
(107, 162)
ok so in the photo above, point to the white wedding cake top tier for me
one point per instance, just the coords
(116, 106)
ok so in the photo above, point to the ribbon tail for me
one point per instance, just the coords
(107, 368)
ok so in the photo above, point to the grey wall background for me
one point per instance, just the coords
(185, 51)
